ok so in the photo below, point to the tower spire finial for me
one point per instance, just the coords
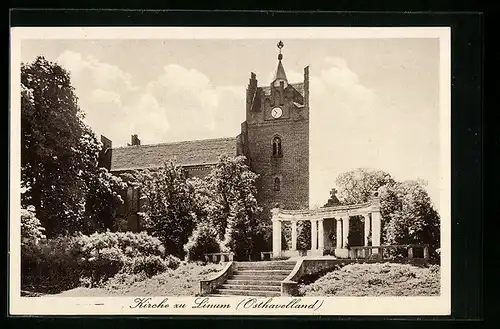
(280, 45)
(280, 71)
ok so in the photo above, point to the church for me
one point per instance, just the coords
(274, 138)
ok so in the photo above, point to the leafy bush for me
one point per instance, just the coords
(31, 228)
(169, 206)
(51, 265)
(202, 241)
(182, 281)
(68, 261)
(386, 279)
(150, 265)
(106, 254)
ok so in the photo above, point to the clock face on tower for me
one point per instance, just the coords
(276, 112)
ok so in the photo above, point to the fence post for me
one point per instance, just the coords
(380, 253)
(426, 252)
(410, 252)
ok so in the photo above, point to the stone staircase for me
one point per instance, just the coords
(256, 279)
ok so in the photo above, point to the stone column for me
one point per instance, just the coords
(321, 235)
(338, 236)
(376, 224)
(276, 238)
(345, 231)
(294, 235)
(426, 252)
(376, 227)
(314, 234)
(367, 228)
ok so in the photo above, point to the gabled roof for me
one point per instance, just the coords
(186, 153)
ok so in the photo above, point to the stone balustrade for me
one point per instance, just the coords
(367, 252)
(266, 255)
(219, 257)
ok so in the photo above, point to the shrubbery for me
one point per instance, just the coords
(68, 261)
(31, 228)
(51, 265)
(168, 210)
(387, 279)
(202, 241)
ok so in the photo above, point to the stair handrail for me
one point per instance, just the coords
(289, 286)
(207, 286)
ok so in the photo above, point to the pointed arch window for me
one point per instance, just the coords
(277, 184)
(277, 151)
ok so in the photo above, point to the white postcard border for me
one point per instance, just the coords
(439, 305)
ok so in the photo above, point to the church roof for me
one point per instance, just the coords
(186, 153)
(280, 72)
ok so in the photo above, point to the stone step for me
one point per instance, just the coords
(261, 272)
(264, 263)
(255, 282)
(287, 267)
(249, 287)
(251, 293)
(219, 295)
(251, 277)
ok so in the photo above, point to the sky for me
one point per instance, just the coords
(373, 102)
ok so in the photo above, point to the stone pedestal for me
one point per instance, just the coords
(341, 253)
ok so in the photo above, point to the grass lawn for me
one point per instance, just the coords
(183, 281)
(387, 279)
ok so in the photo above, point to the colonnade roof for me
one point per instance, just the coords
(327, 212)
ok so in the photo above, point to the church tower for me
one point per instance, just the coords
(275, 138)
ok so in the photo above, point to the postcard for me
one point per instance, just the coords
(230, 171)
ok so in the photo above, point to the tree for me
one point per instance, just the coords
(102, 201)
(357, 186)
(202, 241)
(169, 209)
(408, 215)
(232, 208)
(31, 229)
(60, 175)
(52, 133)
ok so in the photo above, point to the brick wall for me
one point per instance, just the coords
(292, 168)
(198, 171)
(106, 153)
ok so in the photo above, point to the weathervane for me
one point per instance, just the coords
(280, 45)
